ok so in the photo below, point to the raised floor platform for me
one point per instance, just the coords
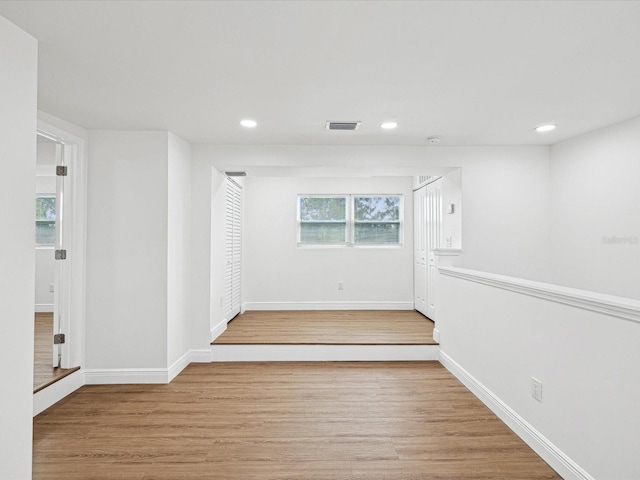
(327, 336)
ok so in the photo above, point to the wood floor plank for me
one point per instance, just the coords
(259, 421)
(43, 372)
(343, 327)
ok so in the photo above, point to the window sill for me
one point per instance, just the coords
(319, 246)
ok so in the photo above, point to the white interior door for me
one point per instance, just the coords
(434, 228)
(59, 271)
(420, 250)
(233, 248)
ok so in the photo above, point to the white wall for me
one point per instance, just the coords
(201, 196)
(505, 204)
(178, 248)
(127, 245)
(585, 360)
(595, 196)
(18, 95)
(45, 270)
(45, 262)
(278, 271)
(452, 222)
(505, 213)
(587, 363)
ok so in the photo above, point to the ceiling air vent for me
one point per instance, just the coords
(343, 125)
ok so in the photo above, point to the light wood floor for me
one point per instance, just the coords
(344, 327)
(381, 420)
(43, 372)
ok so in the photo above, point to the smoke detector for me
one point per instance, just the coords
(342, 125)
(433, 140)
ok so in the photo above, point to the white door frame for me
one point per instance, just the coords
(72, 301)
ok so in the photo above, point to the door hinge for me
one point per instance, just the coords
(58, 339)
(61, 170)
(61, 255)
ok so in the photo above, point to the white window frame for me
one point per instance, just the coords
(346, 221)
(350, 221)
(400, 221)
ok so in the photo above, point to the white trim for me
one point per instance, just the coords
(328, 305)
(109, 376)
(179, 365)
(57, 391)
(447, 252)
(619, 307)
(436, 335)
(200, 356)
(75, 301)
(550, 453)
(220, 328)
(44, 308)
(323, 353)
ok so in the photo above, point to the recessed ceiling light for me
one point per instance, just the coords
(389, 125)
(249, 123)
(545, 128)
(433, 140)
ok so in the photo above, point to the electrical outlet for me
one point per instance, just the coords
(536, 389)
(449, 241)
(51, 288)
(222, 301)
(340, 285)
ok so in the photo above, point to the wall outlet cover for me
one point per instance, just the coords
(536, 389)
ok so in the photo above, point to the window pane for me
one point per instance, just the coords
(324, 233)
(46, 220)
(376, 208)
(377, 233)
(323, 209)
(45, 208)
(45, 233)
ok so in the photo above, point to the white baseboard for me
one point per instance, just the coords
(218, 329)
(200, 356)
(551, 454)
(113, 376)
(178, 366)
(323, 353)
(57, 391)
(328, 306)
(44, 307)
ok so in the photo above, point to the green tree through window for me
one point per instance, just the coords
(376, 220)
(350, 220)
(323, 220)
(45, 220)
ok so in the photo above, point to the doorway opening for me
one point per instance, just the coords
(59, 266)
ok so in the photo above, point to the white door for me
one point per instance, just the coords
(233, 248)
(420, 250)
(62, 272)
(434, 227)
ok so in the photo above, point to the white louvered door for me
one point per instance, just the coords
(233, 249)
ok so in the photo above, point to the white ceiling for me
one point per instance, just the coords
(474, 73)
